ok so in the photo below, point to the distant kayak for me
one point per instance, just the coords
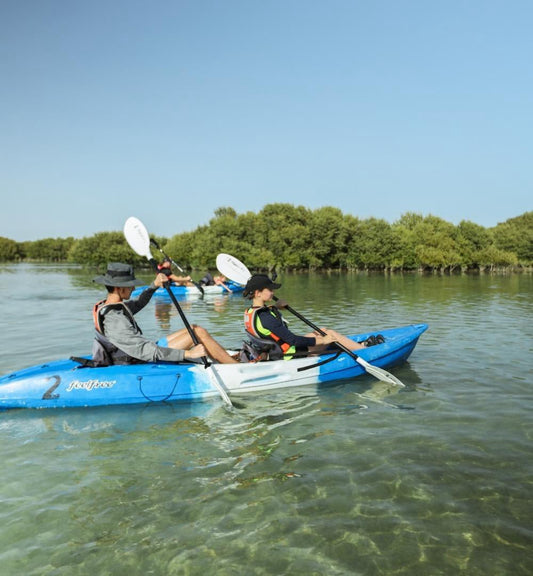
(66, 383)
(186, 291)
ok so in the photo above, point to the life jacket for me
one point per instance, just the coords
(164, 270)
(207, 280)
(258, 333)
(104, 352)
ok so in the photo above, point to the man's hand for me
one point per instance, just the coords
(160, 280)
(195, 352)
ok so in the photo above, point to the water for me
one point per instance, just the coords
(435, 479)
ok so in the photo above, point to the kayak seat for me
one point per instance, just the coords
(83, 362)
(100, 354)
(259, 349)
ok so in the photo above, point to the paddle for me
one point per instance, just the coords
(220, 283)
(154, 243)
(237, 271)
(139, 240)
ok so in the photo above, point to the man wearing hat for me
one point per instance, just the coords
(266, 322)
(119, 339)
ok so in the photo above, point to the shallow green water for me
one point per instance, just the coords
(353, 478)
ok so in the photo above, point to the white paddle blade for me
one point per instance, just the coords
(137, 237)
(380, 373)
(233, 269)
(219, 385)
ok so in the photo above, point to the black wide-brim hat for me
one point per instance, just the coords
(119, 275)
(259, 282)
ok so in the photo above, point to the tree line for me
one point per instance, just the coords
(288, 237)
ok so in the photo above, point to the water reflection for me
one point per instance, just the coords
(163, 314)
(198, 310)
(23, 426)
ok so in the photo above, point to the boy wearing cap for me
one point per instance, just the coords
(119, 339)
(266, 322)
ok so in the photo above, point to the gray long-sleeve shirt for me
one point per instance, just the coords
(119, 330)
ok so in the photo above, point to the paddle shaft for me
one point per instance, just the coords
(152, 241)
(138, 238)
(317, 329)
(225, 287)
(379, 373)
(217, 381)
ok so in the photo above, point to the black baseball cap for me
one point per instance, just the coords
(259, 282)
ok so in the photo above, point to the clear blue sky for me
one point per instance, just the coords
(167, 110)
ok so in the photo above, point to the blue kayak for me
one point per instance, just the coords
(66, 383)
(187, 291)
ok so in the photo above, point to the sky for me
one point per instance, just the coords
(167, 110)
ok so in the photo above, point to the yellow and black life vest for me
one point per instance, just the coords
(254, 327)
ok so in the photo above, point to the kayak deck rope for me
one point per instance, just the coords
(140, 379)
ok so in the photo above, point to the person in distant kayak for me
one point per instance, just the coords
(266, 322)
(165, 268)
(119, 340)
(209, 280)
(221, 281)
